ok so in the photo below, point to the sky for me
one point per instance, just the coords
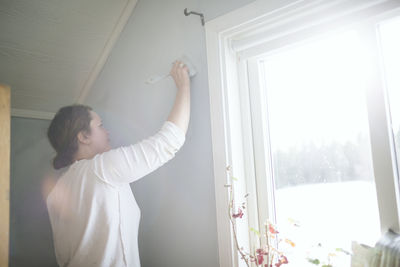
(316, 91)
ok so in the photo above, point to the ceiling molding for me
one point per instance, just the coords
(32, 114)
(123, 19)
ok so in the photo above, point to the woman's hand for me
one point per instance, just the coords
(180, 113)
(180, 73)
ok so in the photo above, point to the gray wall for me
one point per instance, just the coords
(178, 224)
(31, 241)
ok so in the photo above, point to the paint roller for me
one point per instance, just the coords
(185, 59)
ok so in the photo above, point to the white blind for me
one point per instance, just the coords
(314, 16)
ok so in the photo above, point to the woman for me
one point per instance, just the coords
(93, 213)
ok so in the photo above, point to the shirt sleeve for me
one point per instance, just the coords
(127, 164)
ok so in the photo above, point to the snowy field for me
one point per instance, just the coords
(332, 214)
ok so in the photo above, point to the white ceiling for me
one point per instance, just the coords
(51, 51)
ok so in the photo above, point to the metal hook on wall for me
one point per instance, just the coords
(194, 13)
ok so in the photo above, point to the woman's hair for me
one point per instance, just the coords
(63, 132)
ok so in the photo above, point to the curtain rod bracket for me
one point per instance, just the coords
(195, 13)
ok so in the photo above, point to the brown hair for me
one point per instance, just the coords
(63, 132)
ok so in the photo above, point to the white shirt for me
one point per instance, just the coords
(93, 213)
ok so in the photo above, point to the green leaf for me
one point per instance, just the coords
(235, 179)
(326, 265)
(342, 250)
(255, 231)
(314, 261)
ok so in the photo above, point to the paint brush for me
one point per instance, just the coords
(185, 59)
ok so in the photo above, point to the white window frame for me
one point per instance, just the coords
(239, 133)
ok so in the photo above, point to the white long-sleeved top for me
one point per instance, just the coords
(93, 213)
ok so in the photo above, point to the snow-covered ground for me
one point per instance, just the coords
(333, 214)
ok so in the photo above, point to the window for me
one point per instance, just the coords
(303, 108)
(320, 148)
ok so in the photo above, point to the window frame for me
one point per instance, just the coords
(239, 133)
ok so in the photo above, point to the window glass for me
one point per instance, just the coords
(321, 158)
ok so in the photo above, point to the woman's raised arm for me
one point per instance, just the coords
(180, 113)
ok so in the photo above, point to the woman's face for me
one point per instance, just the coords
(99, 136)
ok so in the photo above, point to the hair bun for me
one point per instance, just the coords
(61, 160)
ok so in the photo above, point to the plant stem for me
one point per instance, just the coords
(268, 246)
(234, 226)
